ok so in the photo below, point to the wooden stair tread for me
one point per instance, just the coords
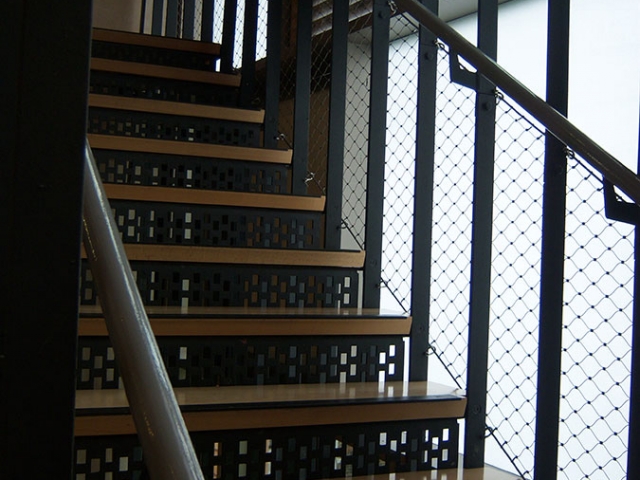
(161, 71)
(214, 197)
(155, 41)
(172, 147)
(248, 321)
(176, 108)
(242, 256)
(105, 412)
(483, 473)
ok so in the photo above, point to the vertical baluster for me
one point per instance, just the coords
(248, 81)
(552, 265)
(423, 200)
(228, 36)
(189, 19)
(335, 150)
(377, 152)
(302, 105)
(172, 18)
(274, 54)
(206, 33)
(157, 18)
(481, 241)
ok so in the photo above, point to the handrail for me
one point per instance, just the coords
(169, 454)
(612, 169)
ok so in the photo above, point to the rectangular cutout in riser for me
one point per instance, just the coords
(170, 127)
(183, 285)
(253, 360)
(134, 168)
(168, 224)
(124, 85)
(334, 451)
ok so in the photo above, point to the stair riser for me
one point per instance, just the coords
(225, 361)
(133, 168)
(300, 453)
(151, 55)
(170, 224)
(171, 127)
(108, 83)
(167, 284)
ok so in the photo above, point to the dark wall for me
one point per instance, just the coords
(44, 56)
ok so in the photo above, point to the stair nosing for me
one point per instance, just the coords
(191, 149)
(146, 105)
(161, 71)
(244, 327)
(218, 408)
(116, 191)
(155, 41)
(243, 256)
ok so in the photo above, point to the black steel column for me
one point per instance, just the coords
(206, 33)
(228, 36)
(335, 150)
(172, 18)
(377, 152)
(633, 450)
(481, 241)
(44, 52)
(143, 14)
(553, 241)
(189, 19)
(248, 79)
(423, 200)
(157, 17)
(302, 106)
(272, 88)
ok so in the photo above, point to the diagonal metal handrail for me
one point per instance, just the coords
(169, 453)
(556, 123)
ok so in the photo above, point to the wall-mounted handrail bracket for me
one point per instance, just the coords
(615, 208)
(459, 74)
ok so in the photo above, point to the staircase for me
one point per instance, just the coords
(279, 373)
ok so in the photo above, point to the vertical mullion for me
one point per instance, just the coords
(302, 105)
(423, 200)
(274, 54)
(633, 453)
(377, 152)
(172, 18)
(248, 79)
(206, 32)
(157, 18)
(189, 19)
(481, 241)
(335, 150)
(553, 244)
(228, 36)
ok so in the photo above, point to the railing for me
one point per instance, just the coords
(165, 440)
(454, 227)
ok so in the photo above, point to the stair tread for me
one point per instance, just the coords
(105, 412)
(175, 108)
(483, 473)
(214, 197)
(241, 256)
(247, 321)
(172, 147)
(129, 38)
(161, 71)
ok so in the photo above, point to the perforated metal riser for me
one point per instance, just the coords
(152, 55)
(108, 83)
(300, 453)
(236, 285)
(172, 127)
(133, 168)
(211, 361)
(163, 223)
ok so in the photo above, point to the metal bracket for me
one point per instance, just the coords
(459, 74)
(617, 209)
